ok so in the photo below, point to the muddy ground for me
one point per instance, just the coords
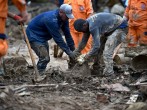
(76, 89)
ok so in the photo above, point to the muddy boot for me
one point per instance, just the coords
(39, 78)
(96, 70)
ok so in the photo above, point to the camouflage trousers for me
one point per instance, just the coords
(112, 42)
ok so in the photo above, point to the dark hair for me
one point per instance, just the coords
(78, 24)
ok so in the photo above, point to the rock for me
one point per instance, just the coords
(138, 106)
(143, 89)
(15, 65)
(102, 98)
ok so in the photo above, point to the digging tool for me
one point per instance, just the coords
(116, 50)
(37, 78)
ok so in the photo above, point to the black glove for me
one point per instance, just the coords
(76, 53)
(72, 55)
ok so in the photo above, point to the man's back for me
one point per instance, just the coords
(103, 22)
(43, 24)
(39, 24)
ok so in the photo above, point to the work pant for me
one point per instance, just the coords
(112, 42)
(42, 51)
(3, 42)
(137, 35)
(77, 37)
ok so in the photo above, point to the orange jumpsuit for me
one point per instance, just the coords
(3, 16)
(81, 9)
(136, 12)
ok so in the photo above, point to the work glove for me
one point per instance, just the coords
(72, 55)
(82, 58)
(76, 53)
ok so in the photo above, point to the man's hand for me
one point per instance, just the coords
(26, 17)
(20, 19)
(76, 53)
(82, 58)
(72, 55)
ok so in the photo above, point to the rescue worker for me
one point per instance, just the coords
(3, 15)
(136, 15)
(99, 26)
(81, 9)
(46, 26)
(113, 40)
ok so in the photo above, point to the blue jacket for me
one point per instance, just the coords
(47, 26)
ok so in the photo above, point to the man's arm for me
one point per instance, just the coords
(53, 29)
(89, 8)
(83, 42)
(21, 5)
(96, 43)
(68, 37)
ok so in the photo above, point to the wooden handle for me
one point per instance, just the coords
(31, 54)
(116, 50)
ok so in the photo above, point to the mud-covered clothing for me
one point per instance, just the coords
(42, 51)
(46, 26)
(99, 25)
(136, 13)
(112, 42)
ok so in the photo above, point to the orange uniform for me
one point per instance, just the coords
(81, 9)
(136, 13)
(3, 16)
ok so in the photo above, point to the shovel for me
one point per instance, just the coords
(37, 77)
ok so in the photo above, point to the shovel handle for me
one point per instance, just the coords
(30, 51)
(116, 50)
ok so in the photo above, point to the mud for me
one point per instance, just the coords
(74, 89)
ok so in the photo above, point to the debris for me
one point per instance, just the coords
(24, 93)
(139, 62)
(102, 98)
(56, 48)
(133, 99)
(143, 89)
(116, 87)
(138, 106)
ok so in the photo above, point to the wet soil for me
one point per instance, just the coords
(62, 89)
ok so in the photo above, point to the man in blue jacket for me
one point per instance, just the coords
(46, 26)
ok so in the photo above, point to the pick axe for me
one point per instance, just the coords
(37, 76)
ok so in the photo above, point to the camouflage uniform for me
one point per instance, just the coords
(112, 42)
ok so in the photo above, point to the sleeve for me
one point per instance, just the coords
(53, 29)
(83, 42)
(68, 37)
(89, 8)
(96, 42)
(126, 14)
(20, 4)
